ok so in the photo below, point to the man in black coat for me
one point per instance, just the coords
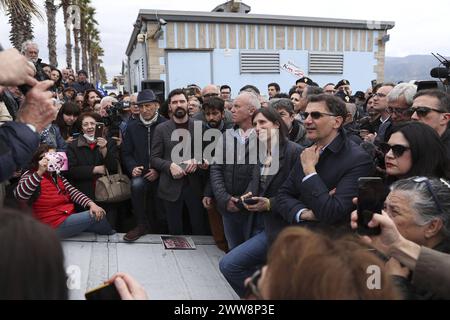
(82, 85)
(432, 107)
(322, 184)
(136, 154)
(181, 176)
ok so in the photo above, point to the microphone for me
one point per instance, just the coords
(440, 73)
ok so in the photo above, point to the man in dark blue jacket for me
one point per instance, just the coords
(321, 186)
(136, 152)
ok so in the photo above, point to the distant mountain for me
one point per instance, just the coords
(416, 67)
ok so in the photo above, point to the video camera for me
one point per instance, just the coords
(442, 73)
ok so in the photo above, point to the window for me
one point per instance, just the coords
(321, 62)
(259, 62)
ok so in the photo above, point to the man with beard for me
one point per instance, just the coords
(214, 113)
(181, 175)
(136, 154)
(320, 187)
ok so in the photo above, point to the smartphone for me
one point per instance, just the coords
(371, 196)
(103, 292)
(99, 128)
(250, 201)
(183, 166)
(75, 135)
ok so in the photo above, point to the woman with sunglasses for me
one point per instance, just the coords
(53, 199)
(414, 149)
(274, 167)
(302, 264)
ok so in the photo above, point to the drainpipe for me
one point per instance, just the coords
(144, 31)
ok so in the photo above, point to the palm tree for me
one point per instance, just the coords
(65, 6)
(93, 35)
(84, 8)
(20, 13)
(76, 40)
(51, 29)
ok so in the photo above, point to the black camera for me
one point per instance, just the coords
(442, 72)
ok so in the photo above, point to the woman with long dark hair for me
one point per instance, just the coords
(66, 120)
(414, 149)
(277, 156)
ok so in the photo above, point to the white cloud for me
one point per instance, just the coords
(419, 27)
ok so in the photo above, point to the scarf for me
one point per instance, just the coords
(151, 121)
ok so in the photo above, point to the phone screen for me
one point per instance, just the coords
(104, 292)
(371, 196)
(99, 127)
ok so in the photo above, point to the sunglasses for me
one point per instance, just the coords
(251, 287)
(423, 111)
(430, 190)
(397, 149)
(317, 115)
(400, 111)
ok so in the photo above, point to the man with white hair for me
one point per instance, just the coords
(399, 101)
(30, 50)
(230, 180)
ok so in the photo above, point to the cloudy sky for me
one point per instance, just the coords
(421, 27)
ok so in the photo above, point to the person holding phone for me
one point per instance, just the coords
(66, 120)
(259, 200)
(53, 200)
(420, 210)
(89, 157)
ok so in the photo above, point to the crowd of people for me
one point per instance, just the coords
(274, 181)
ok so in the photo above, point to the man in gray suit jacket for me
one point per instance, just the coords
(180, 179)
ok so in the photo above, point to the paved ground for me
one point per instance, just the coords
(166, 274)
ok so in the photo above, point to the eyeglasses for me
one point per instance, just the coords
(317, 115)
(400, 111)
(430, 190)
(397, 149)
(423, 111)
(251, 287)
(379, 94)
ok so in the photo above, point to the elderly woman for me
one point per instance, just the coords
(420, 208)
(89, 157)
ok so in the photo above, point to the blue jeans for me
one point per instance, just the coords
(240, 227)
(83, 222)
(241, 262)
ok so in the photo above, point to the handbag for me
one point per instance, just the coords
(113, 188)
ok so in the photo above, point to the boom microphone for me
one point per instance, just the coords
(440, 73)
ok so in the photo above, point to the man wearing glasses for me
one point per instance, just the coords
(432, 107)
(399, 100)
(321, 186)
